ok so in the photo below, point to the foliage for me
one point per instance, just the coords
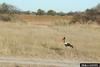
(51, 12)
(6, 8)
(61, 14)
(92, 14)
(40, 12)
(79, 18)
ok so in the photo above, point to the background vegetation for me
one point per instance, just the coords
(42, 36)
(87, 17)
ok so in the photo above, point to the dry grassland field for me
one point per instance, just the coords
(24, 65)
(44, 40)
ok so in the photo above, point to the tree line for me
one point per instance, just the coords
(92, 14)
(88, 16)
(11, 9)
(7, 8)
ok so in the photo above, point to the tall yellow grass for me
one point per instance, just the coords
(24, 65)
(45, 41)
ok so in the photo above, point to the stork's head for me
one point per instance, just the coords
(64, 38)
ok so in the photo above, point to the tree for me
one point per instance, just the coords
(33, 13)
(61, 14)
(13, 9)
(6, 8)
(51, 12)
(97, 7)
(26, 12)
(40, 12)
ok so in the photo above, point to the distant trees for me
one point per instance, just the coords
(33, 13)
(26, 12)
(11, 9)
(51, 12)
(87, 16)
(6, 8)
(92, 15)
(97, 8)
(40, 12)
(61, 13)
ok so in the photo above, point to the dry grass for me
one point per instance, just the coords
(45, 40)
(26, 40)
(85, 39)
(23, 65)
(44, 20)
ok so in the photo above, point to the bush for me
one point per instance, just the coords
(5, 18)
(82, 19)
(7, 8)
(40, 12)
(98, 20)
(51, 12)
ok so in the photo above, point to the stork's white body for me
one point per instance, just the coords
(66, 43)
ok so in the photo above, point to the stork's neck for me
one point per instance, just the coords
(64, 40)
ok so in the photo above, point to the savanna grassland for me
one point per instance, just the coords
(24, 65)
(42, 38)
